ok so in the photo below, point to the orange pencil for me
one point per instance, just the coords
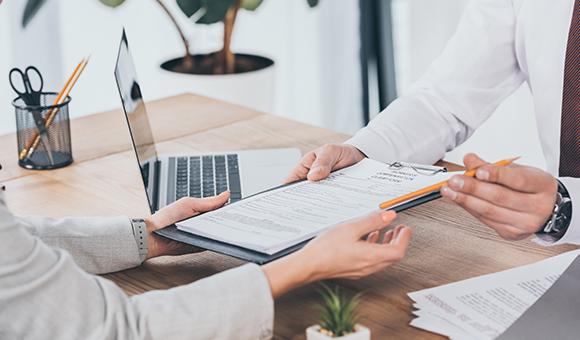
(437, 186)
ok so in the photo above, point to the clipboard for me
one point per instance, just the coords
(172, 233)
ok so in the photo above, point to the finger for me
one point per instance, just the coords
(489, 210)
(396, 249)
(520, 178)
(473, 161)
(374, 221)
(373, 237)
(493, 193)
(301, 170)
(326, 159)
(402, 237)
(388, 236)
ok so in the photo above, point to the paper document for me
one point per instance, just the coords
(275, 220)
(485, 306)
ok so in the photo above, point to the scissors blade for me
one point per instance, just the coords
(46, 144)
(43, 132)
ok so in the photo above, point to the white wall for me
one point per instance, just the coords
(422, 28)
(301, 41)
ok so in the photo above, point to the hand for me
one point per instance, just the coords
(182, 209)
(349, 250)
(318, 164)
(515, 201)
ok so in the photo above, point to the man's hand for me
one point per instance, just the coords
(175, 212)
(516, 201)
(318, 164)
(350, 250)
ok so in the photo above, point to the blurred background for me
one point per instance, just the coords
(336, 65)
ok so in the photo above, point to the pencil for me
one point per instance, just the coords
(30, 147)
(437, 186)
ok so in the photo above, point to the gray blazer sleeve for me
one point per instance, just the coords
(44, 294)
(98, 245)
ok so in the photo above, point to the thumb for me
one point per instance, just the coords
(325, 161)
(473, 161)
(208, 204)
(186, 208)
(374, 221)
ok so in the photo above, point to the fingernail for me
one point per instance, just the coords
(457, 182)
(447, 192)
(388, 215)
(482, 174)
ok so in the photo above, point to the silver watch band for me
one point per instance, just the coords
(140, 233)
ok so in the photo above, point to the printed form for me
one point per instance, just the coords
(274, 220)
(484, 307)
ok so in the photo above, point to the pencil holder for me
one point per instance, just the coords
(43, 133)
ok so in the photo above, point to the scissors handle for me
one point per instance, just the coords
(28, 93)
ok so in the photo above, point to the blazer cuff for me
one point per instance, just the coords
(373, 146)
(572, 235)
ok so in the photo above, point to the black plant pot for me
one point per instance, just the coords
(205, 64)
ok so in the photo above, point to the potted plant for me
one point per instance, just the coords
(339, 319)
(240, 78)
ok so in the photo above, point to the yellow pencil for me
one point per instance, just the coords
(437, 186)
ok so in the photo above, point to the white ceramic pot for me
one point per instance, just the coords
(362, 333)
(254, 89)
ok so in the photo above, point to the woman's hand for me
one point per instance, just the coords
(515, 201)
(350, 250)
(318, 164)
(182, 209)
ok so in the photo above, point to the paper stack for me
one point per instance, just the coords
(484, 307)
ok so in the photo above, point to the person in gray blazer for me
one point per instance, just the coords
(48, 289)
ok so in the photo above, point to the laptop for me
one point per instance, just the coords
(168, 178)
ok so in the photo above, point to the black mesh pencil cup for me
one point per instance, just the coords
(43, 133)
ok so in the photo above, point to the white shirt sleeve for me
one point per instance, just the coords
(476, 72)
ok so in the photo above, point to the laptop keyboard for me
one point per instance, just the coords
(206, 176)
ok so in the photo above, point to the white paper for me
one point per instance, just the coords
(485, 306)
(274, 220)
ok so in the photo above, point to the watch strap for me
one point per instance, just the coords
(140, 233)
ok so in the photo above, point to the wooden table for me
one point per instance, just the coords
(448, 245)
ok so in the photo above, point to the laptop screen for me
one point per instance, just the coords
(136, 113)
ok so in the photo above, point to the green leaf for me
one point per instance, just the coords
(32, 7)
(112, 3)
(251, 5)
(215, 11)
(312, 3)
(339, 312)
(190, 7)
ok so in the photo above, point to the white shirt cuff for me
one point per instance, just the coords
(373, 146)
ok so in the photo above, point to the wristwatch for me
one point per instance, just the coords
(559, 221)
(140, 233)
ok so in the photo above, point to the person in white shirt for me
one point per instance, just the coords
(498, 45)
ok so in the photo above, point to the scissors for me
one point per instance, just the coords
(31, 96)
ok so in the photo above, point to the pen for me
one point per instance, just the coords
(437, 186)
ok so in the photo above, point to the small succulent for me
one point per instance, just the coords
(339, 312)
